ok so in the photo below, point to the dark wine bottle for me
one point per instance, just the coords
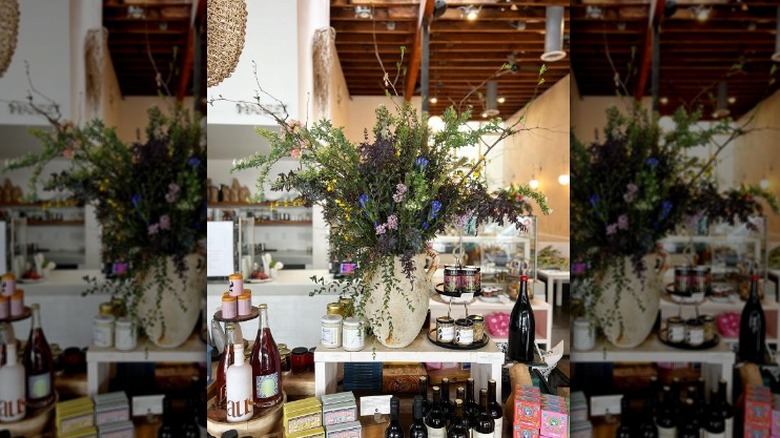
(676, 400)
(38, 364)
(166, 429)
(752, 326)
(394, 430)
(647, 427)
(726, 408)
(495, 410)
(689, 425)
(446, 404)
(522, 328)
(435, 421)
(423, 386)
(225, 361)
(460, 394)
(484, 426)
(624, 430)
(714, 425)
(266, 365)
(698, 405)
(470, 407)
(418, 429)
(666, 419)
(459, 427)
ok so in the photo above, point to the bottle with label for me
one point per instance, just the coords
(647, 425)
(418, 429)
(238, 382)
(446, 404)
(495, 410)
(225, 361)
(470, 407)
(459, 427)
(752, 326)
(484, 427)
(522, 327)
(38, 364)
(394, 429)
(624, 430)
(423, 388)
(725, 406)
(666, 419)
(714, 423)
(689, 425)
(460, 394)
(166, 429)
(435, 421)
(266, 365)
(12, 387)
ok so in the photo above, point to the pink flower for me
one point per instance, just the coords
(165, 222)
(173, 193)
(622, 222)
(392, 222)
(153, 229)
(380, 229)
(611, 229)
(630, 194)
(295, 153)
(400, 191)
(67, 153)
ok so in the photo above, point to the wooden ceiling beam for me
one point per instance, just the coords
(188, 60)
(415, 59)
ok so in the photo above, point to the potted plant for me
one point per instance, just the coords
(633, 188)
(387, 197)
(149, 198)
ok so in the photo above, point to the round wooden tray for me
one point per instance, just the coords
(264, 422)
(439, 288)
(254, 313)
(26, 313)
(35, 422)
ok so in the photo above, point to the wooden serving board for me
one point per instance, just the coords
(265, 422)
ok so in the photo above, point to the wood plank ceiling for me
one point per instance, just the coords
(151, 36)
(463, 53)
(734, 44)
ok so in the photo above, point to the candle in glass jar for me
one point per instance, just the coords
(124, 334)
(103, 331)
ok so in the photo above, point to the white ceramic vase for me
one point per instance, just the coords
(396, 320)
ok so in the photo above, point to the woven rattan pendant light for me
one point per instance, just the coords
(226, 29)
(9, 29)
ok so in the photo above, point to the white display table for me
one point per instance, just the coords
(554, 279)
(542, 314)
(486, 362)
(100, 360)
(60, 294)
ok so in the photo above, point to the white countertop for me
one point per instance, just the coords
(61, 282)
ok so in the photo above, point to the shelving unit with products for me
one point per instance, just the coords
(264, 213)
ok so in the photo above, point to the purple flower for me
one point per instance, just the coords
(193, 161)
(153, 229)
(652, 162)
(136, 200)
(425, 225)
(435, 207)
(611, 229)
(400, 191)
(392, 222)
(666, 208)
(421, 162)
(380, 229)
(594, 199)
(165, 222)
(622, 222)
(173, 193)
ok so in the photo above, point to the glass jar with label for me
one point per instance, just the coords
(125, 335)
(445, 329)
(103, 331)
(468, 279)
(694, 332)
(464, 332)
(353, 334)
(451, 278)
(675, 329)
(335, 308)
(479, 327)
(583, 334)
(330, 334)
(284, 356)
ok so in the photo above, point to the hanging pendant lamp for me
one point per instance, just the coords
(722, 109)
(492, 99)
(553, 34)
(9, 31)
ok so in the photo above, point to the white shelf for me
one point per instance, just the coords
(486, 361)
(100, 359)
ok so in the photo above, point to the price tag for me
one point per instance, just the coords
(377, 404)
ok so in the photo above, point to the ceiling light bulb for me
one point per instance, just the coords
(701, 13)
(433, 100)
(663, 100)
(764, 183)
(501, 99)
(484, 115)
(563, 179)
(472, 15)
(731, 100)
(534, 183)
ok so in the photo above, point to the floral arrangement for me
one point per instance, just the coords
(391, 194)
(149, 196)
(639, 183)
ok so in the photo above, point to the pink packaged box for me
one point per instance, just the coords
(775, 426)
(525, 430)
(753, 431)
(555, 423)
(758, 412)
(528, 410)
